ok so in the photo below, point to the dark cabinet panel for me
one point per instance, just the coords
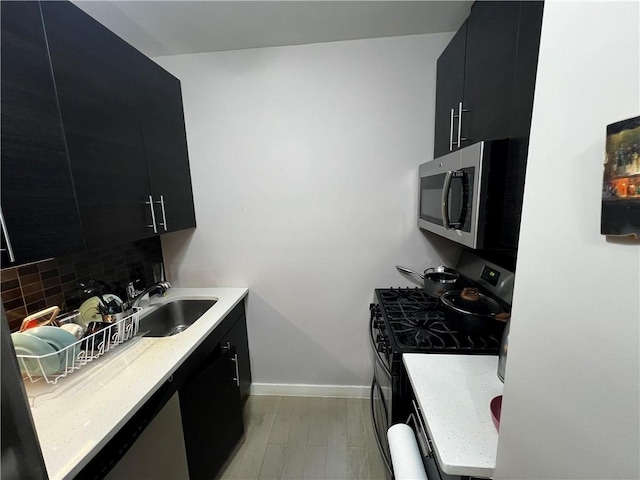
(237, 338)
(526, 66)
(492, 37)
(211, 416)
(38, 199)
(449, 93)
(97, 93)
(165, 142)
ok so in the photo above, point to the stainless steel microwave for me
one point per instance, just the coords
(462, 194)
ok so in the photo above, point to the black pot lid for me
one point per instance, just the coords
(484, 305)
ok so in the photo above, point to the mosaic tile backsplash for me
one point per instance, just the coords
(29, 288)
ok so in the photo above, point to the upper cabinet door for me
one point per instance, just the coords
(492, 39)
(449, 93)
(165, 145)
(93, 71)
(38, 199)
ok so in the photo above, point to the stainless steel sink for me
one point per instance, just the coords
(173, 317)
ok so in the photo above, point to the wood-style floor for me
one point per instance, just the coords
(306, 438)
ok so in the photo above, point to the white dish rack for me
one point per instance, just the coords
(78, 354)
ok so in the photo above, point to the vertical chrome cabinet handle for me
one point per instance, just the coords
(153, 215)
(451, 131)
(459, 123)
(164, 215)
(237, 377)
(460, 137)
(445, 199)
(9, 249)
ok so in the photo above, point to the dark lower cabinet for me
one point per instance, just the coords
(213, 381)
(38, 200)
(211, 416)
(237, 339)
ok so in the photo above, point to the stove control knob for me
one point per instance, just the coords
(382, 338)
(382, 347)
(379, 324)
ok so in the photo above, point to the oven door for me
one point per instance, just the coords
(381, 401)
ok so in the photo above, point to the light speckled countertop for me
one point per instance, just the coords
(76, 417)
(454, 392)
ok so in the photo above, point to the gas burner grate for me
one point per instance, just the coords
(419, 322)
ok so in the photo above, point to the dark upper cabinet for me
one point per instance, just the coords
(450, 91)
(492, 40)
(97, 93)
(165, 144)
(38, 201)
(500, 42)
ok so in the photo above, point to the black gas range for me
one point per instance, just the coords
(408, 320)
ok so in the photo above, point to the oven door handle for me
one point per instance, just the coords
(375, 428)
(421, 431)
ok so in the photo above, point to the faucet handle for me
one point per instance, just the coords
(131, 291)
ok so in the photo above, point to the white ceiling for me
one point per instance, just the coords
(167, 27)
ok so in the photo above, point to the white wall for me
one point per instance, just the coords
(571, 399)
(304, 165)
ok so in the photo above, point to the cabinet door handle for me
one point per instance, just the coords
(164, 215)
(237, 377)
(226, 346)
(9, 248)
(451, 131)
(153, 215)
(460, 137)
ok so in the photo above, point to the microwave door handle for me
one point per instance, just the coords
(445, 199)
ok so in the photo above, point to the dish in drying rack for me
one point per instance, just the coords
(59, 339)
(26, 344)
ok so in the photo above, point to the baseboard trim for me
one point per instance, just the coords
(286, 390)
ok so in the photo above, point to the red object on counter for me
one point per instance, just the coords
(496, 409)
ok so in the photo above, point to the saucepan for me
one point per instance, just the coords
(435, 281)
(476, 311)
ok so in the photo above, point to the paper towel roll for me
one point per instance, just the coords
(405, 454)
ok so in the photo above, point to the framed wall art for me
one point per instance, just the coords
(621, 182)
